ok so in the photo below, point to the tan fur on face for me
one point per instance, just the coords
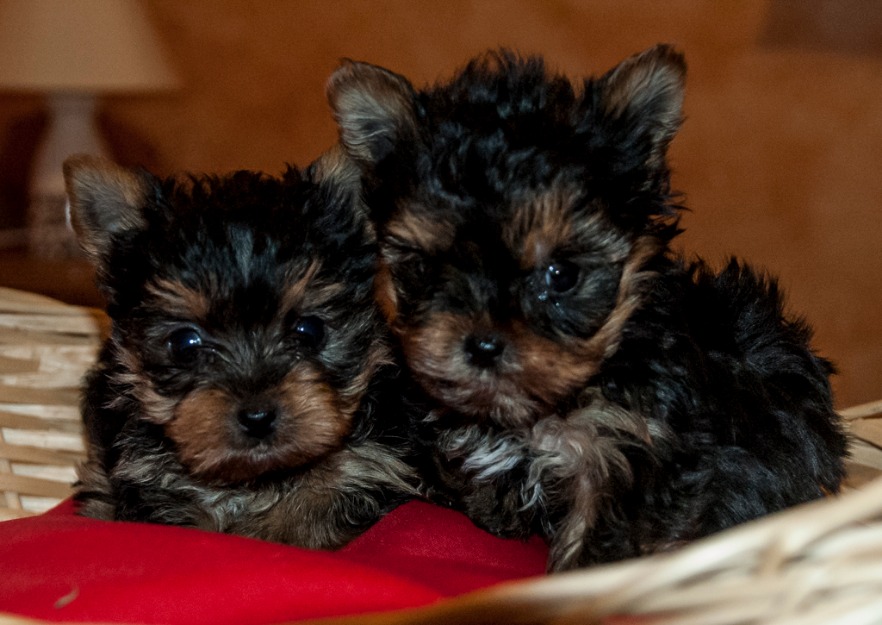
(309, 425)
(306, 292)
(534, 371)
(201, 429)
(410, 230)
(158, 408)
(306, 295)
(318, 425)
(414, 229)
(179, 300)
(545, 223)
(540, 225)
(385, 294)
(434, 352)
(553, 370)
(549, 370)
(631, 289)
(433, 349)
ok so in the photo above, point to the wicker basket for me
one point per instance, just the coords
(45, 347)
(816, 564)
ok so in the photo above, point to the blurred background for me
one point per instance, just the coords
(780, 158)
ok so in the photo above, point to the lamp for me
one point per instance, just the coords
(72, 51)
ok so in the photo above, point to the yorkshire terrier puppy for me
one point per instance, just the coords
(247, 384)
(588, 383)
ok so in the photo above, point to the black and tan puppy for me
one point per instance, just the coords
(246, 386)
(588, 383)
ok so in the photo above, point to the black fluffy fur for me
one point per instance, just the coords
(234, 259)
(697, 402)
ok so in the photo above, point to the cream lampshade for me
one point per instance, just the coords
(73, 51)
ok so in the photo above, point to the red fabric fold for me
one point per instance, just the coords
(59, 566)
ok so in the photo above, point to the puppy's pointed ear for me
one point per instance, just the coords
(375, 110)
(644, 95)
(105, 199)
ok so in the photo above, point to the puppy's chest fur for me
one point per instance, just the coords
(520, 473)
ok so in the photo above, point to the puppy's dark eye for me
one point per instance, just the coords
(311, 330)
(561, 276)
(183, 345)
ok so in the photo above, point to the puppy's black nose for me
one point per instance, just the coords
(483, 350)
(257, 422)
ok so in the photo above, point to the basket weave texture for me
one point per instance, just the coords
(45, 348)
(816, 564)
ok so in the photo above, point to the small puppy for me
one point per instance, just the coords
(246, 386)
(589, 384)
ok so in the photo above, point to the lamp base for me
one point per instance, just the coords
(71, 130)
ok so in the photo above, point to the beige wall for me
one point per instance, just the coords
(779, 158)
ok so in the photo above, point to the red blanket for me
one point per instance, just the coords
(59, 566)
